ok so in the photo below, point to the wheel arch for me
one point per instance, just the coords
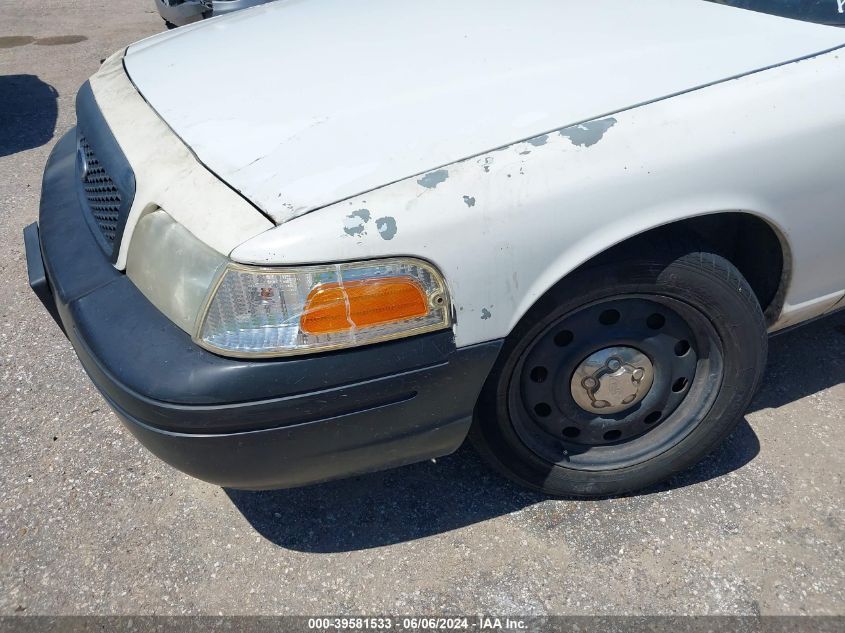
(754, 243)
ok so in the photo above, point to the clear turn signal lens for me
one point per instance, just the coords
(285, 311)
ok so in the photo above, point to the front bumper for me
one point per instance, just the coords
(243, 424)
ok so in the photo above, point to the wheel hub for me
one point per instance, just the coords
(603, 383)
(612, 380)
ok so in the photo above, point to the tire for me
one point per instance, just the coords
(669, 332)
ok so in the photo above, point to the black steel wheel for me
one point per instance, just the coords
(628, 372)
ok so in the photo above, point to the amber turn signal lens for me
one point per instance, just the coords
(333, 307)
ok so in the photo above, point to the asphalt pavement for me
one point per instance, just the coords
(90, 523)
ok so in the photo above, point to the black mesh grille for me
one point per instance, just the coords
(101, 193)
(106, 183)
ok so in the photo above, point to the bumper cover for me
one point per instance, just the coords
(243, 424)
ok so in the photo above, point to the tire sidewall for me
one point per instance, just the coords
(705, 282)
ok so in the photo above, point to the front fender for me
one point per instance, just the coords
(505, 226)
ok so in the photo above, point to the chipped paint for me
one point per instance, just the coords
(386, 227)
(356, 222)
(485, 314)
(463, 97)
(469, 201)
(538, 141)
(434, 178)
(569, 203)
(589, 133)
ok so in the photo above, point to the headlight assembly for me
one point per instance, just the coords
(277, 312)
(172, 268)
(247, 311)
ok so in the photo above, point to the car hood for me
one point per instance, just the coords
(301, 103)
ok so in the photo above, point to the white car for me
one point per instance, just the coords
(319, 238)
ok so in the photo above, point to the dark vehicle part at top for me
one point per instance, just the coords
(822, 11)
(179, 12)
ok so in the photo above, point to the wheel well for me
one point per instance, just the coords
(747, 241)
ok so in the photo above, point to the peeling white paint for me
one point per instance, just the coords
(765, 144)
(433, 178)
(356, 222)
(301, 124)
(386, 227)
(588, 133)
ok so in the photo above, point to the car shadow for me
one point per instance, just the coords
(802, 362)
(458, 490)
(28, 112)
